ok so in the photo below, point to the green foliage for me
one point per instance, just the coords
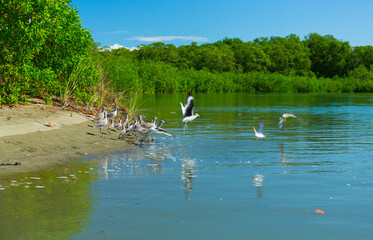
(361, 78)
(45, 52)
(81, 82)
(288, 56)
(328, 55)
(361, 56)
(128, 73)
(290, 65)
(42, 42)
(249, 56)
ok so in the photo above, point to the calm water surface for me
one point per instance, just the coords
(215, 180)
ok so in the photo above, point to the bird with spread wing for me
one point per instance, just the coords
(188, 110)
(283, 119)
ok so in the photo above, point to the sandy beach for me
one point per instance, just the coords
(29, 143)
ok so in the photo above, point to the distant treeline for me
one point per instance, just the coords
(45, 53)
(277, 64)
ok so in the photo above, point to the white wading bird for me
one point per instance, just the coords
(283, 119)
(188, 110)
(259, 133)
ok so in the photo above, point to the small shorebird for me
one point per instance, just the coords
(140, 121)
(100, 116)
(259, 133)
(145, 125)
(188, 110)
(154, 120)
(111, 126)
(154, 129)
(102, 123)
(132, 125)
(147, 128)
(160, 124)
(125, 130)
(118, 125)
(122, 124)
(113, 114)
(283, 119)
(160, 130)
(128, 128)
(122, 133)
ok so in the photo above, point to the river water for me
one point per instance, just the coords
(215, 180)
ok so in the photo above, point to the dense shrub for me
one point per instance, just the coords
(42, 45)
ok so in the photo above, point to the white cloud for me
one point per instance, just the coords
(168, 38)
(117, 46)
(132, 48)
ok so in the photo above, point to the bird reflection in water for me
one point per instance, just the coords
(283, 158)
(257, 181)
(153, 155)
(104, 164)
(188, 166)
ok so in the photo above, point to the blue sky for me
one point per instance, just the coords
(131, 23)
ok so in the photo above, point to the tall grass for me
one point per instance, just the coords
(160, 77)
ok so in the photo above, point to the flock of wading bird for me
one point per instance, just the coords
(145, 129)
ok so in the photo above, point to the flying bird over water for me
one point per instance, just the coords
(283, 119)
(259, 133)
(188, 110)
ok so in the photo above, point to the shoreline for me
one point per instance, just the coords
(28, 143)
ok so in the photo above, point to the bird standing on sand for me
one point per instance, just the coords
(127, 128)
(124, 131)
(259, 133)
(100, 116)
(111, 126)
(188, 110)
(102, 123)
(283, 119)
(113, 114)
(118, 125)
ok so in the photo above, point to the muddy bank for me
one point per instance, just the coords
(28, 142)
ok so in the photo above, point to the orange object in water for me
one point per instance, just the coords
(319, 211)
(50, 124)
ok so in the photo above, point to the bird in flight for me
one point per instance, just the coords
(188, 110)
(259, 133)
(283, 119)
